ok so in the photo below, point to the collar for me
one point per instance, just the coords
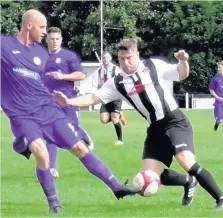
(109, 67)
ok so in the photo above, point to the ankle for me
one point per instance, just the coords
(220, 199)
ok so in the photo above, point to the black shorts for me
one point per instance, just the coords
(168, 137)
(111, 107)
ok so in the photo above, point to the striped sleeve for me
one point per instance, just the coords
(108, 92)
(166, 70)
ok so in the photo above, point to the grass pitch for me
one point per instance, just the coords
(84, 195)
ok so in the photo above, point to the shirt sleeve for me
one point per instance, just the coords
(166, 70)
(108, 92)
(74, 64)
(212, 84)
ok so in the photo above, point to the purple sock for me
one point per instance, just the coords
(53, 151)
(101, 170)
(47, 182)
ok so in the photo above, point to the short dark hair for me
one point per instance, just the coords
(53, 29)
(128, 44)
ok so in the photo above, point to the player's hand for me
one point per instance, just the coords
(181, 55)
(219, 98)
(61, 98)
(57, 75)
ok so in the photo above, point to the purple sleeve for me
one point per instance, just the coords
(74, 64)
(213, 83)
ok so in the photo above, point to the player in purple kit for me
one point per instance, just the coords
(216, 89)
(62, 69)
(34, 114)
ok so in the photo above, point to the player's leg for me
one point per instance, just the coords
(105, 116)
(44, 175)
(123, 118)
(53, 156)
(115, 109)
(19, 144)
(74, 115)
(186, 159)
(157, 156)
(218, 114)
(69, 137)
(32, 133)
(115, 117)
(181, 137)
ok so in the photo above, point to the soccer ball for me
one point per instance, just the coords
(148, 181)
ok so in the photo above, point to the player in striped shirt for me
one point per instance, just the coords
(169, 134)
(113, 110)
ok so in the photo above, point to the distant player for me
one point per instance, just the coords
(34, 113)
(111, 111)
(169, 134)
(63, 67)
(216, 89)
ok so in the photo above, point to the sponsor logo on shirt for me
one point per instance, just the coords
(27, 73)
(16, 52)
(136, 90)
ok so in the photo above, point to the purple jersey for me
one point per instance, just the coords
(22, 92)
(217, 85)
(65, 62)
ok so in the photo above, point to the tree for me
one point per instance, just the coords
(11, 15)
(161, 27)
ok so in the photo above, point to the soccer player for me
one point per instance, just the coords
(141, 84)
(112, 110)
(216, 89)
(34, 113)
(63, 67)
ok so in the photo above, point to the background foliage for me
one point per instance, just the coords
(161, 27)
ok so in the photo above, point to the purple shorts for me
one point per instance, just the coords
(61, 131)
(218, 112)
(72, 113)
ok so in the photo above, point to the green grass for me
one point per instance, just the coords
(85, 196)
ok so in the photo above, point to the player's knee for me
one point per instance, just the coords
(115, 117)
(105, 118)
(39, 150)
(79, 149)
(154, 165)
(186, 159)
(104, 121)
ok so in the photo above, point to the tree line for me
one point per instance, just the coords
(161, 28)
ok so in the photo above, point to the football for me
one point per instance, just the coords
(148, 181)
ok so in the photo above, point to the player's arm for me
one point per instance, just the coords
(183, 65)
(215, 95)
(212, 89)
(74, 76)
(174, 72)
(82, 101)
(105, 94)
(75, 69)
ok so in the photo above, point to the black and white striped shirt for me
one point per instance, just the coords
(145, 89)
(105, 73)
